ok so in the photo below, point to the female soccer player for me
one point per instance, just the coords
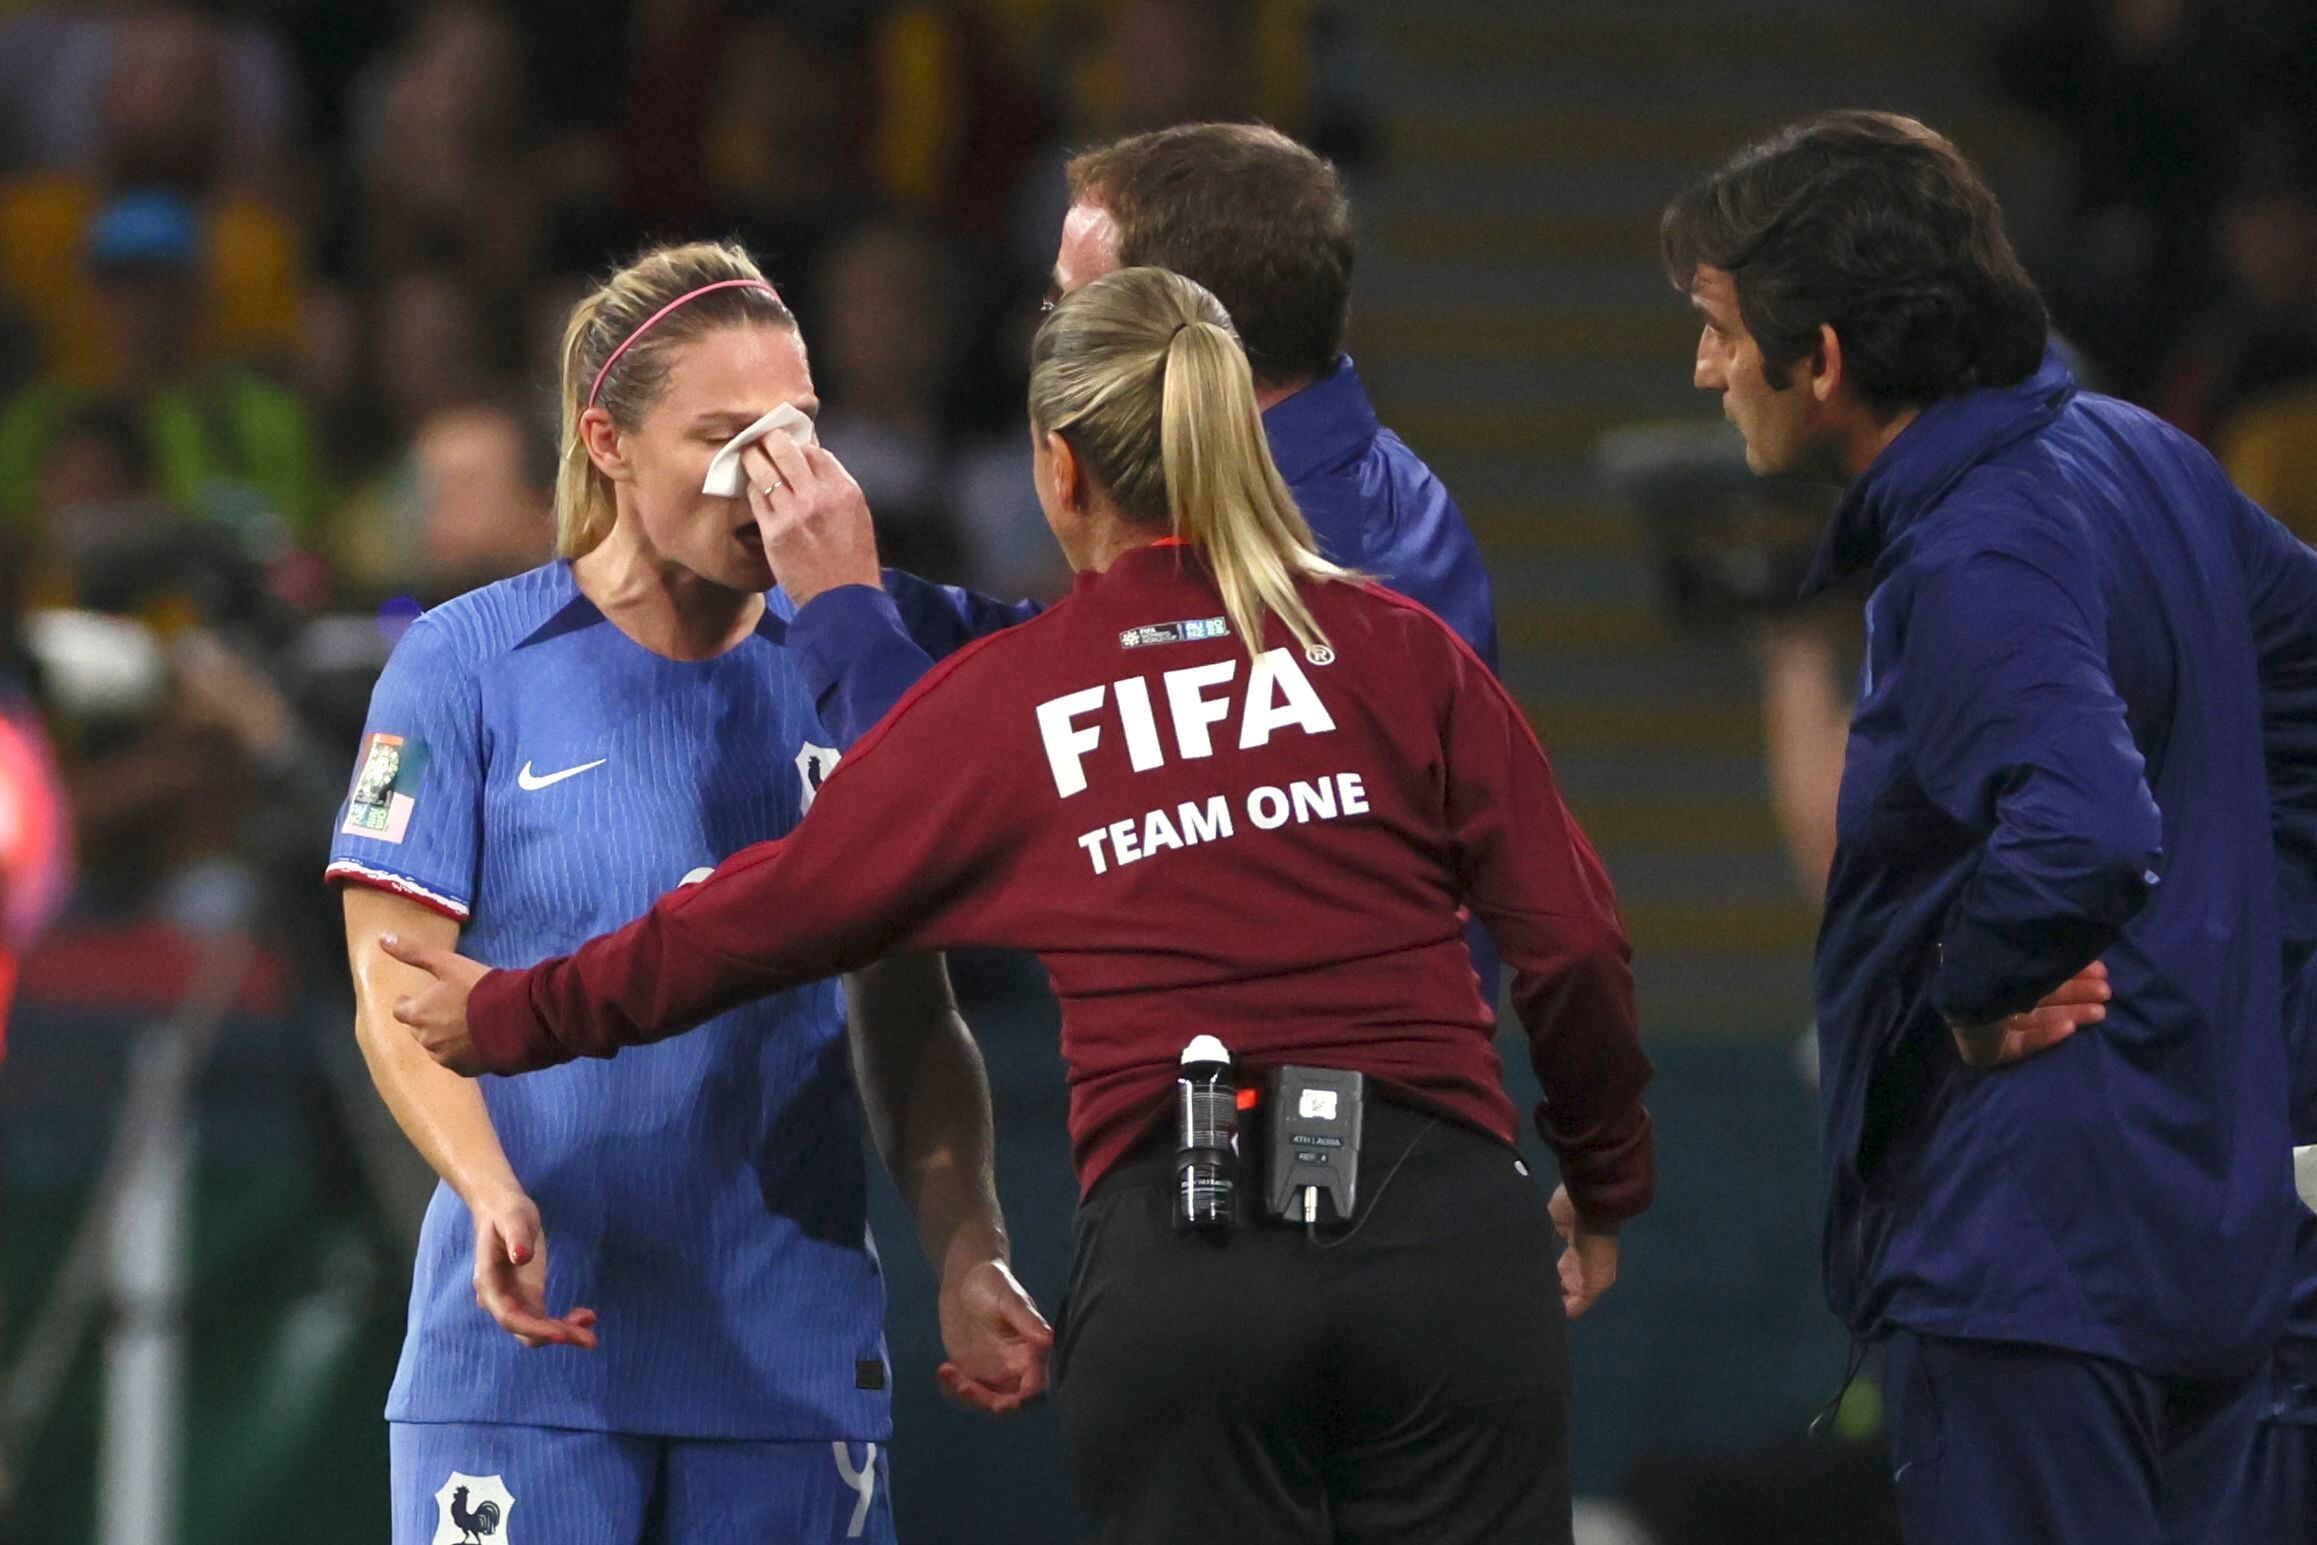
(544, 757)
(1223, 789)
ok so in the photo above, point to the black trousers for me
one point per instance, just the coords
(1401, 1381)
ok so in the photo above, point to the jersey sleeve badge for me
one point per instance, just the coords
(385, 788)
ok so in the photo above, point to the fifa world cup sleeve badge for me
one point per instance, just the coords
(385, 788)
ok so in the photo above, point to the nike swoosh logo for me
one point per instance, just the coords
(534, 784)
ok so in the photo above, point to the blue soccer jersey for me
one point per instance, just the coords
(533, 772)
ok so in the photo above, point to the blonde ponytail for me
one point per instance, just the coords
(1142, 374)
(1227, 493)
(583, 503)
(617, 346)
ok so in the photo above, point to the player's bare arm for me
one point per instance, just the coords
(432, 1005)
(444, 1117)
(927, 1099)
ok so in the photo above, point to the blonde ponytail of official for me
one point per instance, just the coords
(1142, 374)
(604, 327)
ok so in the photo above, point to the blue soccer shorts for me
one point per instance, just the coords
(457, 1483)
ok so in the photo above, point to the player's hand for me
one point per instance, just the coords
(437, 1017)
(996, 1339)
(2079, 1001)
(1589, 1263)
(812, 515)
(511, 1274)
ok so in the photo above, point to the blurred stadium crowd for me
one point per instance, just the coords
(2175, 230)
(281, 286)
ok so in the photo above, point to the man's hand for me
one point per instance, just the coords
(813, 517)
(437, 1017)
(2079, 1001)
(511, 1274)
(996, 1339)
(1589, 1264)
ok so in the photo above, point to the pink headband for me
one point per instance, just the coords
(721, 284)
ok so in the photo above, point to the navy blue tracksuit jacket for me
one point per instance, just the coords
(2077, 633)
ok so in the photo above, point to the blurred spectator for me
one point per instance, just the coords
(675, 46)
(635, 140)
(786, 147)
(466, 506)
(2148, 97)
(52, 78)
(434, 345)
(957, 114)
(165, 730)
(35, 829)
(1009, 550)
(169, 118)
(2270, 450)
(891, 293)
(59, 63)
(97, 461)
(1151, 64)
(411, 346)
(2141, 116)
(444, 172)
(1176, 61)
(225, 443)
(2262, 339)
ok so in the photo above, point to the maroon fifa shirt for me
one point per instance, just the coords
(1276, 851)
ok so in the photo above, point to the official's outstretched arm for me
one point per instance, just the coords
(891, 860)
(1530, 875)
(2015, 729)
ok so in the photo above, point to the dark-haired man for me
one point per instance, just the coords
(2048, 980)
(1263, 223)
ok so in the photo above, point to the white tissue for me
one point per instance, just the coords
(725, 474)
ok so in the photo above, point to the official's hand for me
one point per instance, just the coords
(511, 1274)
(437, 1016)
(1589, 1263)
(812, 516)
(996, 1339)
(2079, 1001)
